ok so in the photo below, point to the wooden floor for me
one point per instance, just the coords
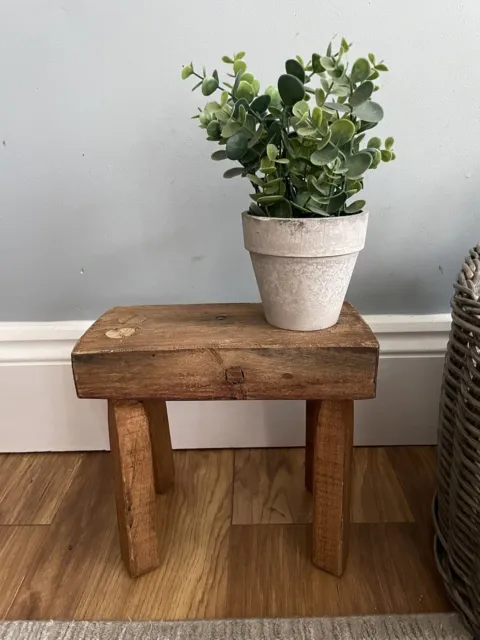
(235, 539)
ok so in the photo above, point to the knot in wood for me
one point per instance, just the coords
(234, 375)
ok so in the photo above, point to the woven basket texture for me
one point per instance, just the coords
(457, 503)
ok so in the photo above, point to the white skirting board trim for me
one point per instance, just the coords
(39, 410)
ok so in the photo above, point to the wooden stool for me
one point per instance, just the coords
(139, 357)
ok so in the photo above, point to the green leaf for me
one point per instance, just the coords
(325, 84)
(282, 161)
(386, 155)
(358, 164)
(345, 45)
(272, 151)
(381, 67)
(317, 66)
(336, 203)
(219, 155)
(238, 77)
(327, 63)
(281, 209)
(324, 156)
(273, 184)
(342, 132)
(233, 172)
(275, 100)
(290, 88)
(239, 66)
(389, 142)
(187, 71)
(375, 143)
(256, 137)
(329, 50)
(320, 97)
(371, 57)
(361, 94)
(324, 141)
(255, 179)
(317, 116)
(260, 104)
(365, 126)
(294, 68)
(255, 210)
(209, 85)
(270, 199)
(299, 207)
(214, 130)
(239, 55)
(239, 103)
(307, 131)
(300, 60)
(312, 206)
(230, 128)
(267, 166)
(374, 75)
(393, 155)
(227, 59)
(337, 106)
(248, 77)
(369, 112)
(245, 90)
(355, 207)
(236, 146)
(301, 108)
(360, 70)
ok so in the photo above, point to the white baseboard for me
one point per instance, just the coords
(39, 410)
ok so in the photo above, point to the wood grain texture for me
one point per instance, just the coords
(191, 581)
(225, 351)
(163, 466)
(134, 485)
(377, 495)
(33, 486)
(415, 468)
(75, 540)
(18, 549)
(210, 569)
(332, 485)
(312, 407)
(389, 571)
(269, 487)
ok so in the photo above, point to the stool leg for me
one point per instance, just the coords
(331, 485)
(311, 419)
(134, 485)
(163, 466)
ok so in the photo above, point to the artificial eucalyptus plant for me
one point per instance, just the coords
(302, 147)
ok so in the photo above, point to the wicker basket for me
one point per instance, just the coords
(457, 503)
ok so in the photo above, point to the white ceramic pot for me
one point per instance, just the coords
(303, 266)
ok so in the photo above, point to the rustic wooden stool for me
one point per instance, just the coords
(139, 357)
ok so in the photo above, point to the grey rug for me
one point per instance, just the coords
(420, 627)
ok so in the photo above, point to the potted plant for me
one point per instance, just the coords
(305, 150)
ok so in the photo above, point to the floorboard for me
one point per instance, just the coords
(234, 540)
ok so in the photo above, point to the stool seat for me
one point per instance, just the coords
(222, 352)
(139, 357)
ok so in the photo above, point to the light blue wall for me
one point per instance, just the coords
(107, 193)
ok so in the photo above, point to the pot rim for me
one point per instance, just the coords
(305, 237)
(351, 216)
